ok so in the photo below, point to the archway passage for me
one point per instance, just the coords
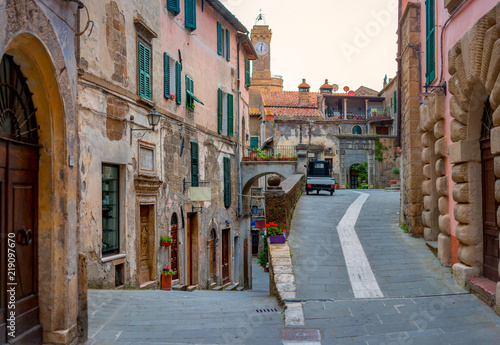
(491, 255)
(19, 158)
(174, 254)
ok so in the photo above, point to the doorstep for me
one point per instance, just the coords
(148, 285)
(484, 289)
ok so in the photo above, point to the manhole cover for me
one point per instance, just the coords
(265, 310)
(295, 334)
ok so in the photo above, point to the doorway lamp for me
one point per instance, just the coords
(153, 120)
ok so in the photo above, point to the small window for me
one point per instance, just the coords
(254, 143)
(247, 72)
(225, 113)
(189, 93)
(146, 159)
(110, 209)
(223, 42)
(356, 130)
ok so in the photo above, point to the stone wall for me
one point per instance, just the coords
(281, 202)
(412, 169)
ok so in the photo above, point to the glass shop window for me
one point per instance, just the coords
(110, 210)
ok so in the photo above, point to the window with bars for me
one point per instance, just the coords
(486, 121)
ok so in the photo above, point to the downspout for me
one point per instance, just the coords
(399, 78)
(238, 145)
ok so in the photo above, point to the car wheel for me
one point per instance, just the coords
(317, 192)
(307, 192)
(331, 192)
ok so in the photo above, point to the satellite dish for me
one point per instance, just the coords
(346, 88)
(351, 93)
(335, 87)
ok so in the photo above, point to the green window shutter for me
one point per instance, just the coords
(430, 42)
(144, 57)
(178, 89)
(230, 116)
(190, 88)
(219, 111)
(228, 46)
(227, 182)
(395, 102)
(219, 38)
(190, 14)
(247, 72)
(254, 143)
(166, 75)
(194, 165)
(173, 6)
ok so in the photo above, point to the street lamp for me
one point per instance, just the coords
(153, 120)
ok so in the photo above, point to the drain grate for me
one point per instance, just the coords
(265, 310)
(296, 334)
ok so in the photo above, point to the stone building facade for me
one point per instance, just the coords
(453, 104)
(39, 173)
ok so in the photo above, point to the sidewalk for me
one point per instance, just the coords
(179, 317)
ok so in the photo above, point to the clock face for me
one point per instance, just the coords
(261, 48)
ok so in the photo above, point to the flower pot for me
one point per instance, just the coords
(394, 181)
(266, 269)
(253, 155)
(166, 282)
(246, 158)
(165, 244)
(277, 239)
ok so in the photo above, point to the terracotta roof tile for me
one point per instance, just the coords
(253, 111)
(287, 98)
(292, 112)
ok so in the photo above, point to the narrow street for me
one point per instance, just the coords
(364, 281)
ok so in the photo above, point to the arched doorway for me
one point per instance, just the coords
(19, 159)
(212, 256)
(353, 177)
(490, 205)
(174, 253)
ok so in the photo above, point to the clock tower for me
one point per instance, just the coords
(261, 69)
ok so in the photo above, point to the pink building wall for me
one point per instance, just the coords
(461, 22)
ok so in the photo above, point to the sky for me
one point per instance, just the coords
(349, 42)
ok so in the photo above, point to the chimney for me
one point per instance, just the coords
(304, 94)
(326, 88)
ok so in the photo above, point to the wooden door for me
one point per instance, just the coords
(354, 183)
(491, 231)
(19, 245)
(212, 256)
(225, 256)
(255, 243)
(174, 249)
(144, 265)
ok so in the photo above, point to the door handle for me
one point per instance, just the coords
(24, 237)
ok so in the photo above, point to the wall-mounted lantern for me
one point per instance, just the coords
(153, 120)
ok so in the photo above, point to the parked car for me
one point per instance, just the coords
(319, 177)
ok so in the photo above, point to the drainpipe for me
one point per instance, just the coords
(399, 77)
(238, 144)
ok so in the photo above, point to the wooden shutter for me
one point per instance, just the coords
(166, 75)
(190, 14)
(190, 88)
(194, 165)
(228, 46)
(230, 116)
(227, 182)
(430, 42)
(247, 72)
(395, 102)
(219, 111)
(254, 143)
(173, 6)
(144, 57)
(178, 91)
(219, 38)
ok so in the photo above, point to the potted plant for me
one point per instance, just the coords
(165, 241)
(275, 234)
(172, 97)
(166, 278)
(260, 155)
(396, 172)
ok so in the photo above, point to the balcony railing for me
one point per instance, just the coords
(276, 153)
(377, 111)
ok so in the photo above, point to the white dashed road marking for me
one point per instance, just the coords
(363, 282)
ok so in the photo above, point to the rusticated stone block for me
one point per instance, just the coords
(441, 167)
(427, 187)
(427, 202)
(442, 185)
(460, 173)
(460, 192)
(444, 250)
(443, 205)
(457, 112)
(496, 117)
(414, 196)
(426, 155)
(462, 273)
(497, 190)
(470, 255)
(468, 234)
(495, 95)
(426, 141)
(444, 224)
(495, 140)
(498, 217)
(457, 131)
(465, 151)
(426, 218)
(439, 129)
(427, 171)
(440, 148)
(494, 69)
(497, 166)
(462, 213)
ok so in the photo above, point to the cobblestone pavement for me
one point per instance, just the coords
(178, 317)
(421, 302)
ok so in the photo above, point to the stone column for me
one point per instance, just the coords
(366, 108)
(345, 108)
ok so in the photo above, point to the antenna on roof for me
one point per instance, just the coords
(260, 17)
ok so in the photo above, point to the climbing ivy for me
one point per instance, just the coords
(379, 150)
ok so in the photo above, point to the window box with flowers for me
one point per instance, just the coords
(166, 278)
(275, 234)
(165, 241)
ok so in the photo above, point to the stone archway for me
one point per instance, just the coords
(54, 97)
(474, 66)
